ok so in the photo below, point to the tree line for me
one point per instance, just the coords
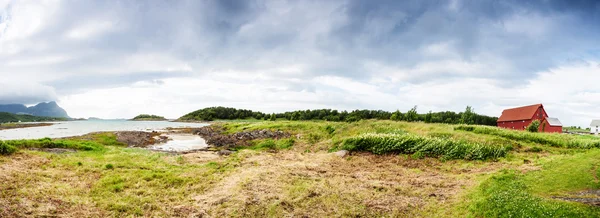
(224, 113)
(6, 117)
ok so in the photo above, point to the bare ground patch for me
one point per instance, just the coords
(322, 184)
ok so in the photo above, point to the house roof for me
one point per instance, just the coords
(519, 113)
(595, 123)
(553, 121)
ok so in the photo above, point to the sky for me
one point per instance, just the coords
(120, 58)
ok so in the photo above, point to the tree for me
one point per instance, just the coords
(468, 117)
(397, 116)
(273, 117)
(428, 117)
(412, 115)
(534, 126)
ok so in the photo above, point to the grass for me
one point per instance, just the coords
(514, 194)
(556, 140)
(95, 142)
(397, 169)
(507, 195)
(423, 146)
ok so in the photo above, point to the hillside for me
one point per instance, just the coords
(9, 117)
(148, 117)
(50, 109)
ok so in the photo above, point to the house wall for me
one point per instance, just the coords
(517, 124)
(594, 129)
(550, 129)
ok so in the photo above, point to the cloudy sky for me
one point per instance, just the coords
(116, 59)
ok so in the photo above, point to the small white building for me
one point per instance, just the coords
(595, 127)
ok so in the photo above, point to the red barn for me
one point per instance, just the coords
(519, 118)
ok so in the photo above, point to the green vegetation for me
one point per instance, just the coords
(514, 194)
(422, 146)
(270, 144)
(555, 140)
(9, 117)
(6, 149)
(223, 113)
(148, 117)
(96, 142)
(534, 126)
(506, 195)
(395, 169)
(576, 129)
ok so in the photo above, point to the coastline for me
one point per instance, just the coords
(5, 126)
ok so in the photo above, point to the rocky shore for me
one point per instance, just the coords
(140, 139)
(215, 136)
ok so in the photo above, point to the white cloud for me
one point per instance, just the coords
(89, 29)
(121, 58)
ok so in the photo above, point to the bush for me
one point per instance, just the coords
(424, 146)
(109, 167)
(6, 149)
(534, 126)
(329, 129)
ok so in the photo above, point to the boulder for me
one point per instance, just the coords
(342, 153)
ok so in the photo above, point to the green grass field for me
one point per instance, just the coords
(397, 169)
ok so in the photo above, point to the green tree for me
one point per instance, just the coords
(273, 117)
(534, 126)
(468, 117)
(412, 115)
(428, 117)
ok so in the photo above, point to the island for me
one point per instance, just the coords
(148, 117)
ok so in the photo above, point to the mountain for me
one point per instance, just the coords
(50, 109)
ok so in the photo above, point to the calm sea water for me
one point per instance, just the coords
(75, 128)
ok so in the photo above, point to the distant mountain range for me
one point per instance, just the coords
(50, 109)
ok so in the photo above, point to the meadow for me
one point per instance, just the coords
(396, 169)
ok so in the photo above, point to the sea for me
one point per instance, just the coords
(76, 128)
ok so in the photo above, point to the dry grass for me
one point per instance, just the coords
(302, 181)
(248, 184)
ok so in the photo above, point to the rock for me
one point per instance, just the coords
(342, 153)
(215, 136)
(224, 152)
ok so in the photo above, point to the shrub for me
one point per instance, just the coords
(109, 166)
(6, 149)
(534, 126)
(329, 129)
(424, 146)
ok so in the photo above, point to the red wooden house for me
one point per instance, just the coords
(519, 118)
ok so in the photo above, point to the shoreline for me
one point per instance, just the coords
(5, 126)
